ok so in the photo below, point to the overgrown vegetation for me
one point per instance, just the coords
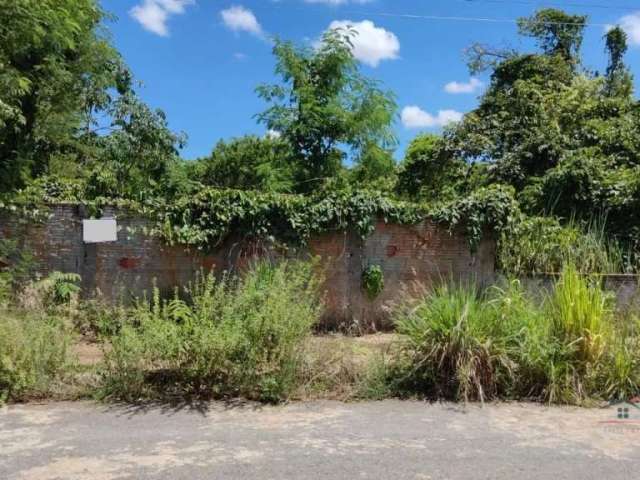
(34, 355)
(542, 245)
(229, 337)
(35, 332)
(462, 344)
(548, 163)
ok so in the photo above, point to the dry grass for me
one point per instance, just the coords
(336, 365)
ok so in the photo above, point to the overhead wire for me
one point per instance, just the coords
(556, 4)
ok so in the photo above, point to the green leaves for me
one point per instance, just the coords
(53, 59)
(210, 216)
(324, 104)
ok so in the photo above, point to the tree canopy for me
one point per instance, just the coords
(564, 140)
(323, 104)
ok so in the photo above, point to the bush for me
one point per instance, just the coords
(34, 355)
(455, 344)
(232, 337)
(462, 344)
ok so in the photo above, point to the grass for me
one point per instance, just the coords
(462, 344)
(543, 245)
(343, 367)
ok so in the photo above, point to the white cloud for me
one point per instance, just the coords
(273, 134)
(631, 25)
(415, 117)
(372, 44)
(241, 19)
(472, 86)
(154, 14)
(337, 2)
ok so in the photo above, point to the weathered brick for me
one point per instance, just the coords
(425, 253)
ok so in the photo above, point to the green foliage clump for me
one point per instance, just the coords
(323, 104)
(57, 67)
(430, 173)
(557, 32)
(34, 355)
(456, 347)
(539, 245)
(248, 163)
(210, 216)
(373, 281)
(581, 313)
(460, 343)
(230, 337)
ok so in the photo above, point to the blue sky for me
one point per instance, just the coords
(200, 60)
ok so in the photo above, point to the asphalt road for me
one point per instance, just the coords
(319, 440)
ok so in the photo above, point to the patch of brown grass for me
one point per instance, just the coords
(336, 365)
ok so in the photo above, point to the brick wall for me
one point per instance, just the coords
(426, 253)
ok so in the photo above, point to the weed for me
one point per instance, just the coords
(34, 354)
(229, 337)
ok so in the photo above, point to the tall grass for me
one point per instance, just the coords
(229, 337)
(455, 344)
(462, 344)
(542, 245)
(581, 314)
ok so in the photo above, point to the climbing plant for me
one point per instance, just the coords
(373, 281)
(208, 217)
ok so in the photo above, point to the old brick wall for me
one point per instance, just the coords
(424, 253)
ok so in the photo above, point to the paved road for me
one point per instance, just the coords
(319, 440)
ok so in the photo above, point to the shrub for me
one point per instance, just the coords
(56, 290)
(461, 344)
(34, 355)
(454, 343)
(229, 337)
(373, 281)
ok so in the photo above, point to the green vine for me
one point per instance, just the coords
(373, 281)
(210, 216)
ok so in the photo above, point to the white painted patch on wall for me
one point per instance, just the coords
(99, 231)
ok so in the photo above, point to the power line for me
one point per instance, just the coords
(560, 5)
(467, 19)
(455, 18)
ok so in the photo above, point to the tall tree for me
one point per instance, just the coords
(568, 139)
(323, 104)
(619, 79)
(56, 66)
(557, 32)
(136, 157)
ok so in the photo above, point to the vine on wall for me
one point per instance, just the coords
(208, 217)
